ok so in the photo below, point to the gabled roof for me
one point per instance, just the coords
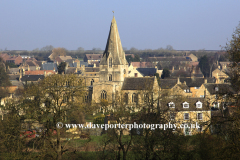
(147, 71)
(167, 83)
(31, 63)
(91, 69)
(176, 58)
(39, 72)
(222, 88)
(32, 77)
(94, 56)
(71, 70)
(49, 66)
(13, 77)
(196, 82)
(114, 47)
(138, 83)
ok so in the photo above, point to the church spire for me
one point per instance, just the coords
(114, 47)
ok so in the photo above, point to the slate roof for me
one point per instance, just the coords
(32, 77)
(222, 88)
(83, 63)
(167, 83)
(196, 82)
(31, 63)
(147, 71)
(39, 63)
(49, 66)
(176, 58)
(138, 83)
(13, 70)
(179, 104)
(91, 69)
(71, 70)
(17, 83)
(13, 77)
(94, 56)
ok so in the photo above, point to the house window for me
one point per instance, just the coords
(134, 97)
(172, 116)
(110, 62)
(103, 95)
(216, 89)
(199, 116)
(197, 87)
(215, 104)
(200, 128)
(187, 131)
(124, 71)
(186, 116)
(199, 104)
(171, 105)
(110, 77)
(185, 105)
(135, 74)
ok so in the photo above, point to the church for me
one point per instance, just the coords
(114, 83)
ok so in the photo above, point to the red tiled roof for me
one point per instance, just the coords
(39, 72)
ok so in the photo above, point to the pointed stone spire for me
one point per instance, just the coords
(114, 47)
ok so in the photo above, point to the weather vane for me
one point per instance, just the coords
(113, 13)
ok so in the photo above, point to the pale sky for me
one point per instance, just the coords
(143, 24)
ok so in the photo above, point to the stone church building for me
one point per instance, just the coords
(113, 74)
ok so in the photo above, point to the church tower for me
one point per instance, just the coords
(113, 65)
(112, 70)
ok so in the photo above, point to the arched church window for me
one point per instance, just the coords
(110, 62)
(110, 77)
(92, 82)
(126, 98)
(103, 95)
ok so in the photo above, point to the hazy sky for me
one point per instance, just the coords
(143, 24)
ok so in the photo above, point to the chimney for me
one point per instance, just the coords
(217, 78)
(76, 70)
(205, 80)
(172, 69)
(83, 68)
(45, 74)
(20, 76)
(184, 68)
(193, 71)
(23, 72)
(28, 68)
(185, 83)
(94, 65)
(178, 81)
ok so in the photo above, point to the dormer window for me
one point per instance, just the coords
(199, 104)
(185, 105)
(171, 105)
(216, 89)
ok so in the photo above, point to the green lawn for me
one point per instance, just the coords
(90, 118)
